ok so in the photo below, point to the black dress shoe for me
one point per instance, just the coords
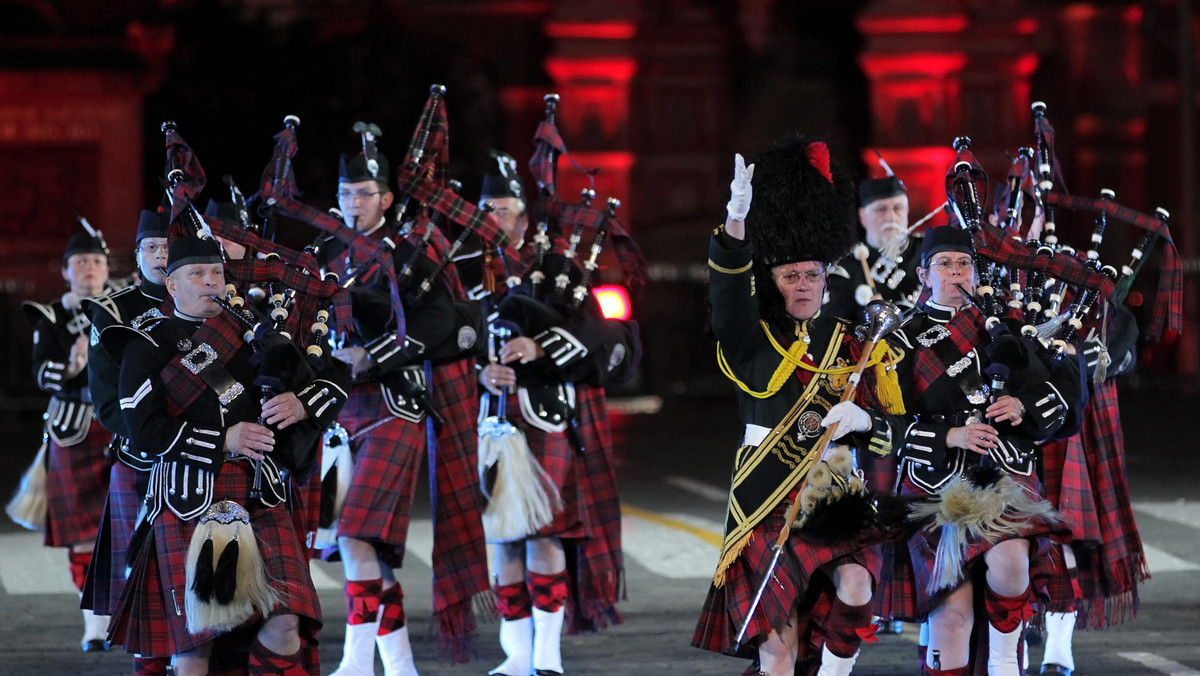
(95, 645)
(1055, 670)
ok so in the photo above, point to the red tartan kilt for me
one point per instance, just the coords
(560, 459)
(1069, 488)
(150, 618)
(76, 487)
(908, 569)
(726, 606)
(306, 508)
(387, 455)
(126, 488)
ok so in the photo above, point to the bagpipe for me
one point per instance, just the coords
(288, 320)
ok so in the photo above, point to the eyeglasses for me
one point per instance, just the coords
(945, 264)
(151, 247)
(346, 195)
(792, 278)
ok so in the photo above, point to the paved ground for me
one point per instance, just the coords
(674, 472)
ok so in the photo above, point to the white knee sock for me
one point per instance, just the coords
(1060, 629)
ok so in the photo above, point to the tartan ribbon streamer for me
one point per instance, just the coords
(438, 250)
(967, 331)
(993, 243)
(1020, 172)
(431, 137)
(379, 255)
(413, 182)
(629, 254)
(976, 175)
(1168, 303)
(224, 334)
(285, 149)
(180, 156)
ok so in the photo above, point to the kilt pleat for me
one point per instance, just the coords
(150, 617)
(795, 581)
(560, 460)
(903, 592)
(387, 453)
(106, 574)
(76, 488)
(598, 573)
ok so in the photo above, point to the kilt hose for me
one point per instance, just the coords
(595, 564)
(1110, 562)
(909, 566)
(797, 586)
(106, 575)
(149, 618)
(76, 487)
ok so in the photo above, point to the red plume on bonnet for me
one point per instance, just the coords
(818, 156)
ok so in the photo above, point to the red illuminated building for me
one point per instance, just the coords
(656, 95)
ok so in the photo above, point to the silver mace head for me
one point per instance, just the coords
(880, 317)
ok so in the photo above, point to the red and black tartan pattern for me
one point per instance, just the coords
(387, 451)
(1006, 613)
(794, 581)
(76, 487)
(1109, 577)
(106, 575)
(392, 617)
(991, 242)
(598, 570)
(513, 601)
(150, 666)
(459, 549)
(78, 563)
(1168, 304)
(222, 333)
(181, 157)
(849, 626)
(560, 460)
(902, 591)
(1069, 488)
(264, 662)
(304, 501)
(362, 600)
(547, 592)
(150, 620)
(967, 330)
(456, 209)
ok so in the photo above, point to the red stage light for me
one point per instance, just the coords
(613, 300)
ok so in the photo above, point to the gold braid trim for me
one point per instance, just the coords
(793, 358)
(731, 554)
(730, 271)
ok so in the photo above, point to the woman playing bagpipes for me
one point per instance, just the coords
(797, 371)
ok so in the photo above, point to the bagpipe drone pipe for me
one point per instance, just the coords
(292, 308)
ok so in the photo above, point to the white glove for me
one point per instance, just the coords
(848, 417)
(739, 189)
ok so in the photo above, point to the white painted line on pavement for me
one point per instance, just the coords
(1160, 664)
(29, 567)
(674, 546)
(1180, 511)
(1159, 561)
(706, 491)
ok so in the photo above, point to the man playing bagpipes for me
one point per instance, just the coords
(130, 473)
(227, 422)
(798, 374)
(74, 457)
(401, 403)
(545, 449)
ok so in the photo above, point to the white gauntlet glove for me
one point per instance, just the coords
(848, 417)
(739, 189)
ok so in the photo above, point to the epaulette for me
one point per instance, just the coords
(108, 302)
(117, 337)
(35, 311)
